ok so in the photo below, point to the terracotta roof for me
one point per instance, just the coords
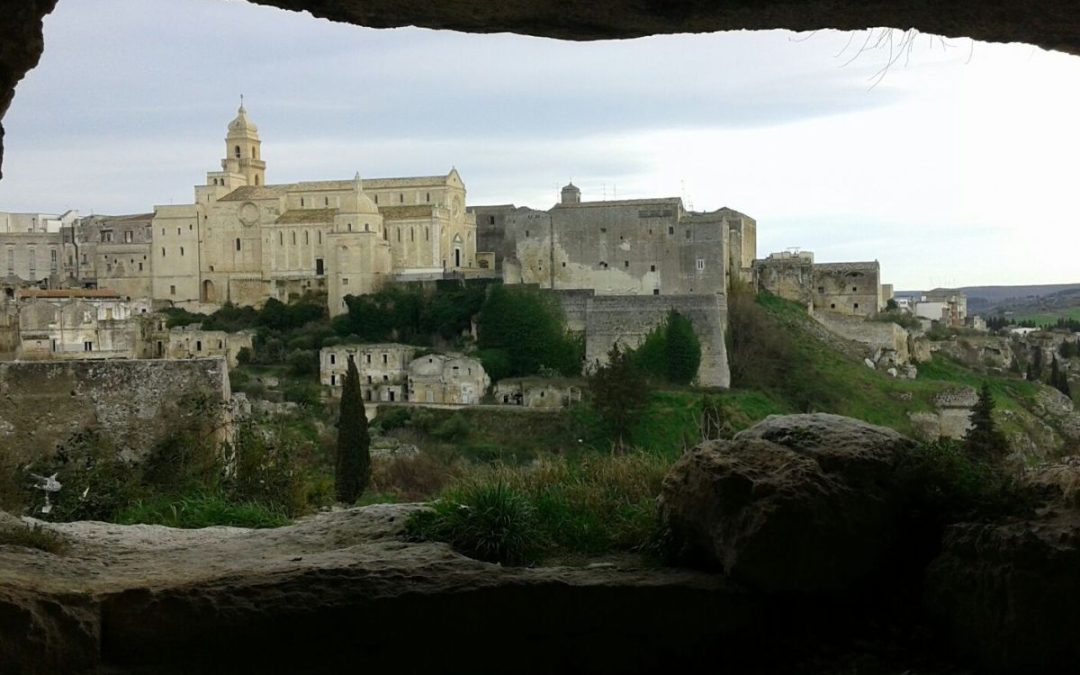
(247, 192)
(416, 211)
(67, 293)
(306, 216)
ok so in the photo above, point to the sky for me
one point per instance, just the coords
(955, 165)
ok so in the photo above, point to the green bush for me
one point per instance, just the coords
(453, 428)
(390, 418)
(487, 522)
(528, 326)
(202, 510)
(671, 352)
(34, 536)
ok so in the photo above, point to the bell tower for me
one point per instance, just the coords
(243, 153)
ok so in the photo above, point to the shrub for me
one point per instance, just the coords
(390, 418)
(413, 478)
(452, 429)
(243, 357)
(900, 318)
(202, 510)
(488, 522)
(34, 536)
(619, 393)
(529, 328)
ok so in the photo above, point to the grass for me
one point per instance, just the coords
(34, 536)
(201, 510)
(1048, 317)
(557, 509)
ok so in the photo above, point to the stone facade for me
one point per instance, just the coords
(192, 342)
(244, 241)
(887, 344)
(78, 324)
(627, 320)
(618, 247)
(852, 288)
(36, 249)
(447, 378)
(536, 393)
(131, 401)
(383, 369)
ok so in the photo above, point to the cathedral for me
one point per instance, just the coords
(244, 240)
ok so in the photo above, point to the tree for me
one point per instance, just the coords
(619, 393)
(682, 349)
(891, 306)
(1059, 379)
(353, 459)
(529, 328)
(983, 440)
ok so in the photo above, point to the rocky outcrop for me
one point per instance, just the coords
(1008, 591)
(344, 587)
(797, 503)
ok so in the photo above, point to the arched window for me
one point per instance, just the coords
(281, 238)
(307, 239)
(412, 234)
(366, 228)
(237, 152)
(238, 243)
(253, 153)
(301, 201)
(256, 179)
(294, 239)
(350, 227)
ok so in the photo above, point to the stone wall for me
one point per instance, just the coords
(628, 319)
(44, 403)
(882, 339)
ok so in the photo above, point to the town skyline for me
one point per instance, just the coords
(931, 170)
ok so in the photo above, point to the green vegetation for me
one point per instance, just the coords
(33, 536)
(983, 440)
(554, 510)
(521, 331)
(201, 510)
(900, 318)
(412, 314)
(619, 393)
(671, 352)
(352, 468)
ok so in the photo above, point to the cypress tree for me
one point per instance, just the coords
(353, 459)
(681, 349)
(983, 440)
(619, 393)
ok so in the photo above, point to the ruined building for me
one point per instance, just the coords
(851, 288)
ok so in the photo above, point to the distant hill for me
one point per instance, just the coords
(990, 298)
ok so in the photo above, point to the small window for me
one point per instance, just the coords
(856, 305)
(491, 220)
(427, 197)
(688, 234)
(236, 151)
(344, 282)
(326, 201)
(603, 229)
(177, 233)
(652, 268)
(301, 201)
(820, 289)
(626, 263)
(162, 253)
(333, 379)
(401, 198)
(701, 264)
(172, 290)
(832, 306)
(526, 233)
(294, 238)
(221, 344)
(198, 345)
(369, 379)
(671, 230)
(333, 359)
(88, 346)
(384, 359)
(181, 251)
(854, 289)
(656, 291)
(367, 358)
(238, 243)
(376, 199)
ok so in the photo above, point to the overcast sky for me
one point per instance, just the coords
(958, 167)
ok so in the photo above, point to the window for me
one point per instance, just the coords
(701, 264)
(198, 345)
(238, 243)
(626, 263)
(656, 291)
(129, 236)
(856, 305)
(181, 251)
(54, 260)
(11, 260)
(369, 379)
(190, 227)
(603, 229)
(854, 288)
(350, 227)
(301, 202)
(652, 268)
(687, 233)
(88, 346)
(412, 234)
(401, 197)
(221, 344)
(368, 360)
(344, 282)
(172, 290)
(832, 306)
(319, 267)
(307, 239)
(333, 378)
(33, 263)
(333, 359)
(526, 233)
(162, 253)
(236, 151)
(491, 220)
(253, 153)
(384, 359)
(294, 238)
(320, 236)
(281, 238)
(427, 197)
(376, 199)
(820, 289)
(326, 201)
(671, 230)
(140, 267)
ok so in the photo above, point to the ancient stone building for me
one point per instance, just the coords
(390, 373)
(192, 342)
(852, 288)
(114, 252)
(447, 378)
(245, 241)
(78, 324)
(618, 247)
(36, 249)
(535, 392)
(383, 369)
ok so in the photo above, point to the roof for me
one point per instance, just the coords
(249, 192)
(67, 293)
(421, 210)
(840, 266)
(623, 202)
(306, 216)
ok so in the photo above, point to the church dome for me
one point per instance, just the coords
(242, 123)
(356, 201)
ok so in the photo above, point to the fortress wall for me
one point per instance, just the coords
(43, 403)
(628, 319)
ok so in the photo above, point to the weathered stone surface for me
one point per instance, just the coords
(795, 503)
(1008, 591)
(343, 587)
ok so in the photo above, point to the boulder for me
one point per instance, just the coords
(797, 503)
(1007, 592)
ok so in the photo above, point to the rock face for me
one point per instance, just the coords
(344, 588)
(1008, 591)
(797, 503)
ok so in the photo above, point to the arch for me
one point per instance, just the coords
(256, 179)
(209, 293)
(253, 152)
(236, 151)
